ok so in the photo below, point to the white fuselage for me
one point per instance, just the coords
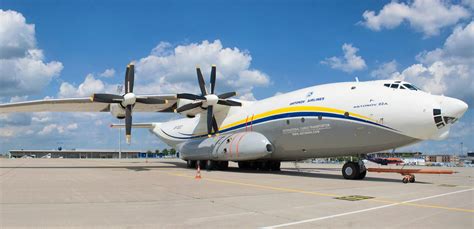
(330, 120)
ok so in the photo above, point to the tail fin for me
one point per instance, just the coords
(135, 125)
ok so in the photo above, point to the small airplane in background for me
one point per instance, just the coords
(330, 120)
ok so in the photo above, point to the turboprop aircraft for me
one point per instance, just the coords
(338, 119)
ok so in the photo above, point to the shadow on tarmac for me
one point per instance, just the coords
(314, 172)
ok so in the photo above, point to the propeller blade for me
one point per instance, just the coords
(106, 98)
(188, 106)
(126, 79)
(190, 96)
(201, 81)
(151, 101)
(214, 124)
(228, 102)
(128, 123)
(213, 78)
(227, 95)
(131, 78)
(209, 120)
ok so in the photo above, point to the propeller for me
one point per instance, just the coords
(207, 100)
(127, 100)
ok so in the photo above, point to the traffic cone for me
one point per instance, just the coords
(198, 173)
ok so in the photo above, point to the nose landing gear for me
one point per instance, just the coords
(354, 170)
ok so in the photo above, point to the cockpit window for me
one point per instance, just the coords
(401, 85)
(411, 87)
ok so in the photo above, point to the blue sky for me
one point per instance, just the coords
(290, 44)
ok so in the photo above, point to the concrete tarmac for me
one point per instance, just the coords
(162, 193)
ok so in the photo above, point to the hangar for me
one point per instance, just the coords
(81, 153)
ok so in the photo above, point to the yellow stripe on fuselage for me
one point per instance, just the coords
(292, 109)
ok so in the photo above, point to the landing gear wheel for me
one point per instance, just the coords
(275, 165)
(211, 165)
(405, 179)
(350, 170)
(412, 179)
(223, 165)
(191, 164)
(362, 175)
(202, 164)
(243, 164)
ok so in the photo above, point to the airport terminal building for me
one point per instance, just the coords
(78, 153)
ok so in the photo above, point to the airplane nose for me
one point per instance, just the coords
(453, 107)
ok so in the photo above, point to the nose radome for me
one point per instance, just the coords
(454, 107)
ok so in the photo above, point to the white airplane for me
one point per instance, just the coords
(339, 119)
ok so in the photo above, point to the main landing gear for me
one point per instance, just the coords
(224, 165)
(208, 164)
(260, 165)
(354, 170)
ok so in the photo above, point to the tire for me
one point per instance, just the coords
(223, 165)
(191, 164)
(350, 170)
(202, 164)
(211, 165)
(412, 179)
(362, 175)
(254, 165)
(275, 165)
(243, 164)
(405, 180)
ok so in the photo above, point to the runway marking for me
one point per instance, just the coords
(406, 203)
(366, 210)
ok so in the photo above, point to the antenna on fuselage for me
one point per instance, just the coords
(357, 79)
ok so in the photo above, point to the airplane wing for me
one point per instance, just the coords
(86, 105)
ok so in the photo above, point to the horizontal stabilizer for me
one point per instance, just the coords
(135, 125)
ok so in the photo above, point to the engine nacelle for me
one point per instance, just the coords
(230, 147)
(117, 111)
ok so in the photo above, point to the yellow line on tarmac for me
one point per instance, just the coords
(319, 193)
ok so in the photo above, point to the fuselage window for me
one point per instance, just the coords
(302, 119)
(288, 122)
(395, 86)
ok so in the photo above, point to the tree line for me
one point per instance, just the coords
(164, 152)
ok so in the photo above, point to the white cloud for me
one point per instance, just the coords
(108, 73)
(469, 3)
(349, 63)
(22, 67)
(172, 69)
(16, 37)
(448, 70)
(90, 86)
(428, 16)
(385, 70)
